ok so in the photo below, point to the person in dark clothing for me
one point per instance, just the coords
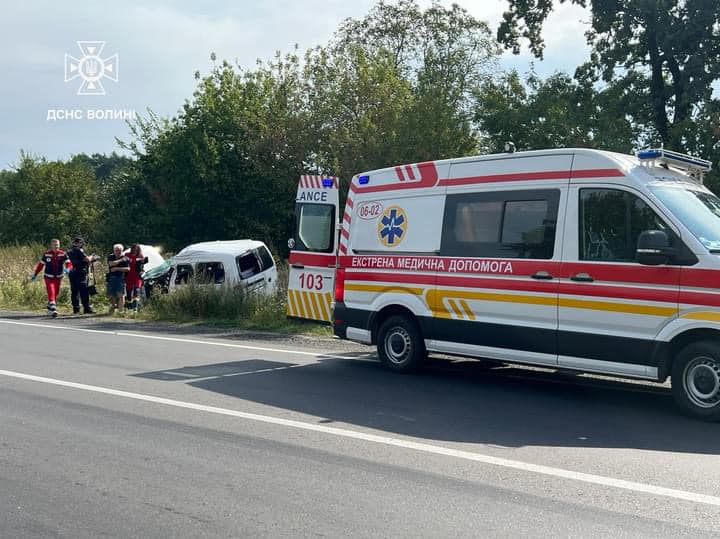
(79, 276)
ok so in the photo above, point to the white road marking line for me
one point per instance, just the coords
(260, 371)
(184, 340)
(181, 374)
(389, 441)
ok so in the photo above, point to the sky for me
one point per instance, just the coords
(160, 44)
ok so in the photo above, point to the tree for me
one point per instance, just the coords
(382, 92)
(43, 199)
(225, 167)
(553, 113)
(667, 50)
(434, 61)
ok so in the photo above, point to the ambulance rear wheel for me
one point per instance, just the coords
(696, 380)
(400, 344)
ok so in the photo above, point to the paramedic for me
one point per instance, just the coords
(56, 263)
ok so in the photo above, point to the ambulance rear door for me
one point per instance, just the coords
(313, 249)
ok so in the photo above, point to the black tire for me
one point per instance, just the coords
(696, 380)
(400, 344)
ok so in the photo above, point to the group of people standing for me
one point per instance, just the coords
(123, 278)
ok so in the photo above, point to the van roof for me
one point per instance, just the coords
(231, 248)
(623, 160)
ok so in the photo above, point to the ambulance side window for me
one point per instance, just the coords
(509, 224)
(610, 222)
(314, 227)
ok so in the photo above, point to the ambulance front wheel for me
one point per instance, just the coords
(400, 344)
(696, 380)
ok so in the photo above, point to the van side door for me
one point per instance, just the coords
(611, 307)
(503, 228)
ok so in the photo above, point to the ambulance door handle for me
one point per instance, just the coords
(541, 275)
(298, 266)
(582, 277)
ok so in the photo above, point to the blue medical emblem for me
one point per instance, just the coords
(392, 226)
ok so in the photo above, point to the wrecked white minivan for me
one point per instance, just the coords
(245, 263)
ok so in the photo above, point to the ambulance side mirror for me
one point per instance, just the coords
(291, 244)
(654, 248)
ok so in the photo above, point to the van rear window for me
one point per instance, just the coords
(511, 224)
(314, 227)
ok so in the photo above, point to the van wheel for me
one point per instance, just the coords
(400, 344)
(696, 380)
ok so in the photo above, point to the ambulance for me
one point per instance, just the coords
(572, 259)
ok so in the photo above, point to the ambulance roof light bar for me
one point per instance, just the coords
(694, 166)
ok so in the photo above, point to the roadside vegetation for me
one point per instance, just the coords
(402, 84)
(208, 305)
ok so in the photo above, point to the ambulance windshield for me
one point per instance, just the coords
(698, 210)
(314, 227)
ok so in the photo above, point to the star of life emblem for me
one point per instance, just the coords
(392, 226)
(91, 68)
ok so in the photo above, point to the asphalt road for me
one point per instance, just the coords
(109, 428)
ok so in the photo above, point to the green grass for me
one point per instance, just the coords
(224, 307)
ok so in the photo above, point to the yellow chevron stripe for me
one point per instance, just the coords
(435, 299)
(308, 306)
(455, 309)
(323, 308)
(467, 310)
(291, 309)
(298, 302)
(328, 303)
(313, 300)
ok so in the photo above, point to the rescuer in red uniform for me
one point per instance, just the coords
(56, 264)
(133, 282)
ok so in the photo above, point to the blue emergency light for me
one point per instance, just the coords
(328, 182)
(649, 154)
(364, 180)
(680, 160)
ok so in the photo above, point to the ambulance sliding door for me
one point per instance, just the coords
(503, 235)
(313, 249)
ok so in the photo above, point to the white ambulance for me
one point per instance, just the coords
(571, 259)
